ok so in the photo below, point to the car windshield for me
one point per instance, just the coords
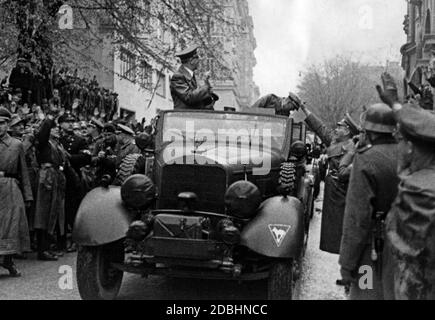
(264, 131)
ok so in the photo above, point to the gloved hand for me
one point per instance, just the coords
(389, 93)
(295, 101)
(347, 277)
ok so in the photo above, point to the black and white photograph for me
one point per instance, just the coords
(229, 151)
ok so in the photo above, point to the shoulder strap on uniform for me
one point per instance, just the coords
(365, 148)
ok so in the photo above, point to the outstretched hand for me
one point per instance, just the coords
(388, 93)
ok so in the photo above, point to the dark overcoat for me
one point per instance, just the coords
(372, 188)
(185, 91)
(335, 189)
(50, 202)
(14, 190)
(411, 234)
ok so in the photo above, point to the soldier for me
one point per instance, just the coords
(126, 144)
(24, 134)
(14, 230)
(338, 142)
(50, 203)
(184, 87)
(282, 106)
(372, 189)
(79, 156)
(411, 222)
(94, 134)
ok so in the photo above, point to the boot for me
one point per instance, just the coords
(47, 256)
(9, 265)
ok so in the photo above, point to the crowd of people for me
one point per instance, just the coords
(379, 199)
(56, 145)
(378, 205)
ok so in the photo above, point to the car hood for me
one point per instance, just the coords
(235, 158)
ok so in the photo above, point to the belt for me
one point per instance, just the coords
(50, 165)
(8, 175)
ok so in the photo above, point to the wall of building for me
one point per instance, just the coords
(142, 102)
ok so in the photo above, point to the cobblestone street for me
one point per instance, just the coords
(41, 280)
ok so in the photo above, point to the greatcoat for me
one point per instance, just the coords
(335, 189)
(14, 190)
(372, 189)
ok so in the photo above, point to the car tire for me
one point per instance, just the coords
(132, 164)
(97, 279)
(280, 282)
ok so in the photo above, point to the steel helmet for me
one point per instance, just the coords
(379, 118)
(144, 141)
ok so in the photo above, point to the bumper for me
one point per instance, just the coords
(190, 273)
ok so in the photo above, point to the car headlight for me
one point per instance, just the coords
(243, 199)
(138, 192)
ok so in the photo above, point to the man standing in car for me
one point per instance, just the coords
(184, 86)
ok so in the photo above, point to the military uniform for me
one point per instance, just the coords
(75, 187)
(335, 190)
(411, 221)
(270, 101)
(276, 103)
(14, 190)
(184, 88)
(372, 189)
(50, 203)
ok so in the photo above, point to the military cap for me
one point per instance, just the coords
(417, 124)
(351, 124)
(109, 128)
(97, 123)
(144, 140)
(188, 53)
(379, 118)
(16, 120)
(67, 117)
(125, 129)
(5, 114)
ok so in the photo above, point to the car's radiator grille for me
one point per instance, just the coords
(208, 183)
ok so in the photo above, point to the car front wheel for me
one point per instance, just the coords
(97, 278)
(280, 283)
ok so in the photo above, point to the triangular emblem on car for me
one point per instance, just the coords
(279, 232)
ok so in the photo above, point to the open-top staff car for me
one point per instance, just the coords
(229, 198)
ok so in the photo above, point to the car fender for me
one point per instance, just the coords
(101, 218)
(278, 229)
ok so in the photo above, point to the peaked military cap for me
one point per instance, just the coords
(16, 120)
(187, 53)
(417, 124)
(67, 117)
(97, 123)
(351, 124)
(5, 114)
(125, 129)
(109, 128)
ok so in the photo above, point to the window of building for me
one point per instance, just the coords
(428, 29)
(127, 115)
(145, 74)
(128, 65)
(161, 85)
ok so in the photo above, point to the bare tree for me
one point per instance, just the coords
(339, 85)
(151, 29)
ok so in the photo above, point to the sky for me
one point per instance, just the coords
(294, 34)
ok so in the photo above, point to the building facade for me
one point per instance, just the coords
(236, 87)
(419, 26)
(142, 80)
